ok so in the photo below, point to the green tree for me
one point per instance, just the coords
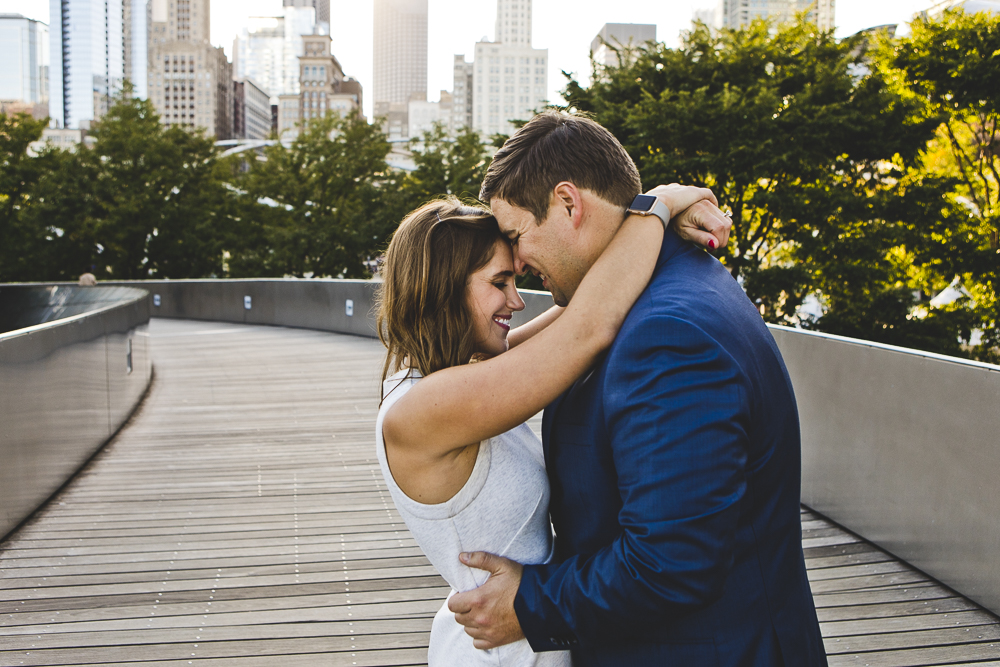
(142, 202)
(157, 193)
(21, 245)
(951, 64)
(807, 145)
(321, 207)
(446, 165)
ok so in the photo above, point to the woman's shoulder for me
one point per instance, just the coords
(399, 382)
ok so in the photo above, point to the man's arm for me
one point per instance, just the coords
(675, 408)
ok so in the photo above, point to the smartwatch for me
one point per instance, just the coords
(650, 205)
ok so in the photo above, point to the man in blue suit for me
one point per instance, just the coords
(674, 463)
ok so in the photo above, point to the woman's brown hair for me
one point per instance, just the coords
(423, 319)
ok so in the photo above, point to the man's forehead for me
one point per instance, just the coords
(509, 216)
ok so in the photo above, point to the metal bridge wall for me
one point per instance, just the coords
(65, 389)
(899, 446)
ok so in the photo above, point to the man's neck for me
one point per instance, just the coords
(602, 220)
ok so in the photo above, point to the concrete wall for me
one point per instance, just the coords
(65, 389)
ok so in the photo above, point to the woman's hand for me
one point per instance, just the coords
(695, 214)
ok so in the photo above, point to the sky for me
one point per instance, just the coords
(454, 26)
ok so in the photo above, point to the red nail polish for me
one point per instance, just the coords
(711, 244)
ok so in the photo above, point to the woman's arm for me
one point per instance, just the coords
(533, 326)
(702, 223)
(455, 407)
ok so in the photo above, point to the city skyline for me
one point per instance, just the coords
(455, 27)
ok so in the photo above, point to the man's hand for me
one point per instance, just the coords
(695, 214)
(487, 612)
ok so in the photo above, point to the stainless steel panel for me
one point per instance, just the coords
(309, 304)
(129, 365)
(902, 448)
(535, 303)
(898, 446)
(62, 395)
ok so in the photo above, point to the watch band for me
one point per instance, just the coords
(650, 205)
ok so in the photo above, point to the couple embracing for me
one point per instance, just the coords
(657, 523)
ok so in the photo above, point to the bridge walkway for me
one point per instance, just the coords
(240, 520)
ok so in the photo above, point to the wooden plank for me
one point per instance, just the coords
(915, 639)
(243, 510)
(216, 633)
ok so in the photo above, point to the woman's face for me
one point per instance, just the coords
(492, 298)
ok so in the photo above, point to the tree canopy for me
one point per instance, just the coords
(817, 150)
(862, 175)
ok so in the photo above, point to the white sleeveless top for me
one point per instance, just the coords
(503, 509)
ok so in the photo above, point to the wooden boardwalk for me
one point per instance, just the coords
(241, 519)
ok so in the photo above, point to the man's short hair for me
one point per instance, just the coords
(553, 147)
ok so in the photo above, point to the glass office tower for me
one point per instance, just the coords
(87, 56)
(24, 51)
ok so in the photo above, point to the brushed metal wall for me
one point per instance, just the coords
(65, 389)
(307, 304)
(899, 446)
(903, 448)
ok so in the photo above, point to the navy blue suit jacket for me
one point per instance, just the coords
(675, 472)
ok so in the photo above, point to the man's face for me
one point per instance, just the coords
(544, 249)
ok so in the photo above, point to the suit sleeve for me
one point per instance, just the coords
(676, 411)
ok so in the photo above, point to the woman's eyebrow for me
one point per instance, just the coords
(503, 274)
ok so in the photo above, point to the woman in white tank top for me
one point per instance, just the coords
(463, 468)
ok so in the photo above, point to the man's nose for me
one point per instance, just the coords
(520, 267)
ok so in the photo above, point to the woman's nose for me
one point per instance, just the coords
(515, 302)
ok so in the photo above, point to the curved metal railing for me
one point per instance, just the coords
(71, 373)
(899, 446)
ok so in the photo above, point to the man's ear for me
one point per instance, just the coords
(568, 203)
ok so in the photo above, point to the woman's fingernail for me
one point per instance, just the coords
(711, 244)
(464, 557)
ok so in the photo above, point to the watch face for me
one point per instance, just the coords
(643, 203)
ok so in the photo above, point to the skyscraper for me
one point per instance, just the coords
(510, 79)
(322, 8)
(86, 55)
(736, 13)
(605, 49)
(461, 108)
(970, 6)
(513, 22)
(24, 79)
(400, 54)
(135, 21)
(269, 48)
(324, 89)
(259, 53)
(190, 81)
